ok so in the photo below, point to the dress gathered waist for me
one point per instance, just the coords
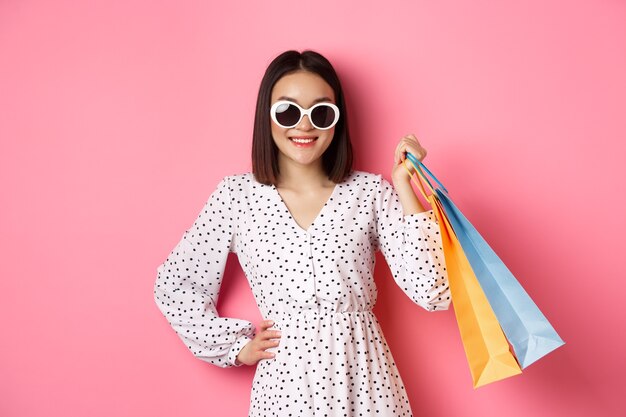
(304, 314)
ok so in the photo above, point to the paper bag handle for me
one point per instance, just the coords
(417, 163)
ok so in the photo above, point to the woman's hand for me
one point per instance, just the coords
(254, 350)
(402, 179)
(408, 143)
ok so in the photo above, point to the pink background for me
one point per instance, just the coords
(118, 118)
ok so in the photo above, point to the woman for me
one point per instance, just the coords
(305, 227)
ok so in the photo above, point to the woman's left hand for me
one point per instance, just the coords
(409, 143)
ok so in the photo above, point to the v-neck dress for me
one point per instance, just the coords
(317, 285)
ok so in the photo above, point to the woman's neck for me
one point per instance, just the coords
(294, 175)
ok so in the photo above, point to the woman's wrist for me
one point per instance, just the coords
(400, 177)
(409, 201)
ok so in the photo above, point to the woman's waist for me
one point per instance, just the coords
(320, 316)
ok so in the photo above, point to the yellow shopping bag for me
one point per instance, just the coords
(485, 344)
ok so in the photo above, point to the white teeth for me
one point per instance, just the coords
(298, 140)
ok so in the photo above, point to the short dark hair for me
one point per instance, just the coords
(337, 159)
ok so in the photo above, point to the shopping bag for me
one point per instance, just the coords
(485, 344)
(528, 331)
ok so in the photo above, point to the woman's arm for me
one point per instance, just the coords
(407, 197)
(412, 246)
(188, 284)
(409, 236)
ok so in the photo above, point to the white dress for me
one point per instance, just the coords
(316, 284)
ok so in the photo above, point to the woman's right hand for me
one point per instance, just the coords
(254, 350)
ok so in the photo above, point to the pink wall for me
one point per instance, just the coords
(117, 119)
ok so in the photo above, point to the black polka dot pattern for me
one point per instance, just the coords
(316, 284)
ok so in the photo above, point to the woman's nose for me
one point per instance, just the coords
(305, 124)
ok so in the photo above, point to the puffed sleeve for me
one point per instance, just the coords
(412, 246)
(188, 284)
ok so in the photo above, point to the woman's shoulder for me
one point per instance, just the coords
(367, 177)
(243, 181)
(240, 177)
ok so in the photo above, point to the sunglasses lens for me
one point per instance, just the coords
(287, 115)
(323, 116)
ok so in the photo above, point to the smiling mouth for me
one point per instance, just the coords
(303, 139)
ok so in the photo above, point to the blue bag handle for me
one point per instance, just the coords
(418, 164)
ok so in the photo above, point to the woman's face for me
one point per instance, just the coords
(302, 144)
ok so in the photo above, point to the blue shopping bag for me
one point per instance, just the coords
(528, 331)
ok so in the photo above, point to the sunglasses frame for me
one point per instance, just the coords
(304, 112)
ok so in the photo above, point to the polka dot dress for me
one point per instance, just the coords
(316, 284)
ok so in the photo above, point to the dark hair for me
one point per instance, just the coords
(337, 159)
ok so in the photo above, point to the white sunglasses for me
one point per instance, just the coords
(288, 114)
